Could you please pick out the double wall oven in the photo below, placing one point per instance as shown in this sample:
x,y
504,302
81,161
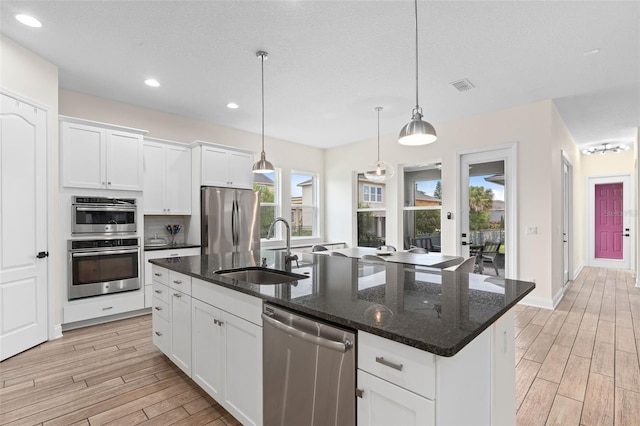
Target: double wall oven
x,y
104,253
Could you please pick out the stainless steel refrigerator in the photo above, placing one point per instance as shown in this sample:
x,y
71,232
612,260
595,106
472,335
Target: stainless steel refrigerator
x,y
230,220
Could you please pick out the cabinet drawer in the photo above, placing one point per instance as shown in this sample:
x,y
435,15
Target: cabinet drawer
x,y
161,292
239,304
160,334
180,282
159,274
102,306
400,364
160,308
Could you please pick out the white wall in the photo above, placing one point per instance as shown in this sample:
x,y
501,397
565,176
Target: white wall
x,y
30,76
529,126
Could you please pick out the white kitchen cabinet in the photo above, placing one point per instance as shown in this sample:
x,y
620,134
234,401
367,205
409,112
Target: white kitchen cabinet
x,y
148,268
228,168
384,403
167,178
227,351
180,329
101,156
105,305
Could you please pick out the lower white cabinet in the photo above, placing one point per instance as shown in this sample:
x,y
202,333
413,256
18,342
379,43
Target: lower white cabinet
x,y
161,254
180,325
383,403
96,307
215,336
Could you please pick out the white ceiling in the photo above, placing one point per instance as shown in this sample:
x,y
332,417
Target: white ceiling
x,y
331,62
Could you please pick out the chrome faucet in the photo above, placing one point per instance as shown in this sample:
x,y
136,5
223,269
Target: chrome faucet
x,y
288,257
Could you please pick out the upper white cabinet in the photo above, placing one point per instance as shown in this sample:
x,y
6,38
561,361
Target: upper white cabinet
x,y
167,178
101,156
224,167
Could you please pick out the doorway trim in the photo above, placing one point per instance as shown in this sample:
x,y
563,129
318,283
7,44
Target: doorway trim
x,y
509,153
629,190
567,220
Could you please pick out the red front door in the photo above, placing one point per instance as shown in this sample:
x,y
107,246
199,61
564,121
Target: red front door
x,y
608,215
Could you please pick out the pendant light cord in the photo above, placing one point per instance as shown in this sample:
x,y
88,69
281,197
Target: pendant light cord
x,y
416,10
262,68
378,109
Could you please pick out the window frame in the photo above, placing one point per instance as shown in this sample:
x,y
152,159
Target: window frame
x,y
277,199
380,206
315,207
405,208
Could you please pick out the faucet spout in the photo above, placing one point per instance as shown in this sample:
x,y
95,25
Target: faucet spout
x,y
288,257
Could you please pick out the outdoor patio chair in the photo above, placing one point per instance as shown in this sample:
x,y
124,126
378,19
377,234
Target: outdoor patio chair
x,y
489,253
476,251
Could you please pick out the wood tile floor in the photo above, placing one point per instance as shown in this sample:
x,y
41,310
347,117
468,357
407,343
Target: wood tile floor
x,y
109,374
578,364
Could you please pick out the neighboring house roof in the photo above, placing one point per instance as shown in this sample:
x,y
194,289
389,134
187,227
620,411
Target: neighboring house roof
x,y
296,200
261,178
423,196
306,183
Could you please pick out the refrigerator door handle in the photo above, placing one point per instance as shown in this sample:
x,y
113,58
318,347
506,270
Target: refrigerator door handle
x,y
233,222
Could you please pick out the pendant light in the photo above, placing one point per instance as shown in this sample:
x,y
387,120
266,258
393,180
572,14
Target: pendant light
x,y
417,131
263,165
379,171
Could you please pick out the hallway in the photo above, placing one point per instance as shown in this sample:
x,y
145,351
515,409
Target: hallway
x,y
578,364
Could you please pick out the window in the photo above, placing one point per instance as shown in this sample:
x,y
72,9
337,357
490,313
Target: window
x,y
422,207
371,212
266,184
304,204
371,193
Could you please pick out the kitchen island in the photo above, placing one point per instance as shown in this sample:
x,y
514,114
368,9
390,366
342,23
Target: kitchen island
x,y
452,332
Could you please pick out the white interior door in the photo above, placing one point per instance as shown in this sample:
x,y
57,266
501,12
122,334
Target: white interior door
x,y
487,206
23,226
567,204
609,247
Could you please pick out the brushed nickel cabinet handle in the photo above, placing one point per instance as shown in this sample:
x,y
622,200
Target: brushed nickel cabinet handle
x,y
389,364
157,274
157,308
177,294
360,393
158,291
107,308
177,282
158,333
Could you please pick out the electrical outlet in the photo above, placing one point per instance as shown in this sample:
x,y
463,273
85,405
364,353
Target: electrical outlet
x,y
532,230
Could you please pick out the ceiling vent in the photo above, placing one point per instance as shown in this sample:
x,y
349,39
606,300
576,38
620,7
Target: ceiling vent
x,y
462,85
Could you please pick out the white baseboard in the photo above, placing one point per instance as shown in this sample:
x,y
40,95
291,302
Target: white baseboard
x,y
543,302
57,332
577,271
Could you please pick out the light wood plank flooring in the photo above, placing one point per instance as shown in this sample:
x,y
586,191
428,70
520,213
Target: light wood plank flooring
x,y
108,374
578,364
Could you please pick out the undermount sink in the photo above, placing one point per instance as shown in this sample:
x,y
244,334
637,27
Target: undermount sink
x,y
261,276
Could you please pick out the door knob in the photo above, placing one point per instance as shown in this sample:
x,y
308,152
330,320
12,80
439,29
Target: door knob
x,y
42,254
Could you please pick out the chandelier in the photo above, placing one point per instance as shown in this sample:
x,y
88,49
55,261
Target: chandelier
x,y
606,147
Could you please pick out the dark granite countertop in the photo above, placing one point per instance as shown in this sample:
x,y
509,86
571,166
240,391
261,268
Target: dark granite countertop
x,y
433,310
171,247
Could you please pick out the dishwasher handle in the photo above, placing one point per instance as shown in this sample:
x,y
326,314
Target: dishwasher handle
x,y
320,341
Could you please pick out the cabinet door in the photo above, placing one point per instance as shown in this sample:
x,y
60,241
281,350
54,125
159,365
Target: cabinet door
x,y
240,170
243,369
161,334
383,403
207,365
215,167
180,325
83,156
178,180
124,161
154,176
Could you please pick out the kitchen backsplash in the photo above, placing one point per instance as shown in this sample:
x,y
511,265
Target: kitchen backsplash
x,y
158,225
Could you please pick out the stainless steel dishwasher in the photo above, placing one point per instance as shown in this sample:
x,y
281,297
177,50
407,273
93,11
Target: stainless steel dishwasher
x,y
309,371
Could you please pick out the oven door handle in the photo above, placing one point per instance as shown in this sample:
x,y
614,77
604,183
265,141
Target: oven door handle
x,y
105,209
103,252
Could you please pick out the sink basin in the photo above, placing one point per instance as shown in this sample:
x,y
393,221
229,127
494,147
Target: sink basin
x,y
261,276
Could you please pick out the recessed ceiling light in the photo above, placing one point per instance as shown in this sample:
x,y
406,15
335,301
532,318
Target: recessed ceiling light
x,y
28,20
591,52
233,105
151,82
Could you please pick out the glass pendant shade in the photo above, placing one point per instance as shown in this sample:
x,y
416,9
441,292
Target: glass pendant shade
x,y
417,132
379,172
263,166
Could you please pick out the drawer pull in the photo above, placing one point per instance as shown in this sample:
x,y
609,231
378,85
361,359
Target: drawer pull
x,y
383,361
157,274
360,393
158,333
177,294
157,308
177,282
158,291
218,322
107,308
